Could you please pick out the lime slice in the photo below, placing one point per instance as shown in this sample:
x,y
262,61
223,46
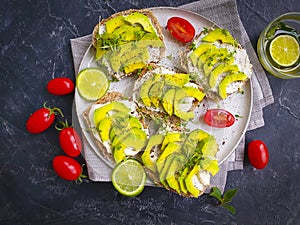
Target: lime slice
x,y
129,177
92,84
284,50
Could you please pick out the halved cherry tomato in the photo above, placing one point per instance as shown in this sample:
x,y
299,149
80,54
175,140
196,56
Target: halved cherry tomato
x,y
41,119
181,29
69,140
219,118
67,168
60,86
258,154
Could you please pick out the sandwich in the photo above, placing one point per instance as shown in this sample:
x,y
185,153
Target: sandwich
x,y
217,63
127,42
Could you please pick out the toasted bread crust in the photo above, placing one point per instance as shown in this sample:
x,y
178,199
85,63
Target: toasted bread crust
x,y
109,97
146,12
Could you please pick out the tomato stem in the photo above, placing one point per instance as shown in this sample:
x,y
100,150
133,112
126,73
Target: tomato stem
x,y
82,176
64,124
53,110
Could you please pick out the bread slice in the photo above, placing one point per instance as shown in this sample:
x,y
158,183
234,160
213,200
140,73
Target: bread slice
x,y
128,42
217,63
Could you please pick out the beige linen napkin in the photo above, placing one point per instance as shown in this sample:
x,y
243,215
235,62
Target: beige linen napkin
x,y
225,14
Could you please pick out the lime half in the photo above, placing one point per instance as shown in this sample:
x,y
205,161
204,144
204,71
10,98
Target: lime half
x,y
92,84
129,177
284,50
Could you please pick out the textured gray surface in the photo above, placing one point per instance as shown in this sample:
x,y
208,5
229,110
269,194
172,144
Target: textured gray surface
x,y
34,47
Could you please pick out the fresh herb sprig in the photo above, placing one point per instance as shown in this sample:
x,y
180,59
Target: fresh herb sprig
x,y
224,199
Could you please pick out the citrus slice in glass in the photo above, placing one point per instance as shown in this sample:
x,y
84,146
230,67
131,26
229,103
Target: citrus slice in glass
x,y
284,50
92,84
129,177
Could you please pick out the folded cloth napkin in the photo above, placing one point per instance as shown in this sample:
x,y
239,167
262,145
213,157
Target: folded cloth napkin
x,y
224,13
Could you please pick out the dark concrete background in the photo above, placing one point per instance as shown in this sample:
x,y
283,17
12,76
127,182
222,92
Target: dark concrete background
x,y
35,47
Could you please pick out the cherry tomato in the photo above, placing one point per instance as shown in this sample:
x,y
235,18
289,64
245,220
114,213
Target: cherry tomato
x,y
67,168
219,118
60,86
69,140
41,119
181,29
258,154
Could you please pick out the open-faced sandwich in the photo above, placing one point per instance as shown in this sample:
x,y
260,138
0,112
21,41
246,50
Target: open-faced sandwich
x,y
128,41
168,92
217,63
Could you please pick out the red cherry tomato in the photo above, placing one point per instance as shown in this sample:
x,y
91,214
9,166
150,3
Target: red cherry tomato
x,y
181,29
41,119
69,140
219,118
258,154
67,168
60,86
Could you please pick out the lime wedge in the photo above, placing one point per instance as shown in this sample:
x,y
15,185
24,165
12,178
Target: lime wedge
x,y
129,177
92,84
284,50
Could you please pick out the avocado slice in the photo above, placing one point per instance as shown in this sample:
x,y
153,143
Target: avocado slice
x,y
194,92
199,51
134,52
228,80
164,169
149,157
168,101
144,92
205,56
122,125
189,181
221,35
171,148
104,128
119,153
221,68
192,141
100,113
150,39
208,146
129,33
114,23
156,92
181,178
172,173
134,64
134,139
180,95
138,18
220,55
211,165
177,79
172,137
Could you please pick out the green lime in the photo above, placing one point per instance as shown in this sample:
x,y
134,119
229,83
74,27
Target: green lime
x,y
129,177
92,84
284,50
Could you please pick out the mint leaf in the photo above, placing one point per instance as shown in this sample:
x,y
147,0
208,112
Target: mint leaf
x,y
228,195
224,199
216,193
230,208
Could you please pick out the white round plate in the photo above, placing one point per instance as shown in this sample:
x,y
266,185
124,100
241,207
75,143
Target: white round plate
x,y
237,104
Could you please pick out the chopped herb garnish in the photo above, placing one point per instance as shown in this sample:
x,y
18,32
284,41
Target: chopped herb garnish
x,y
205,30
238,116
170,57
193,46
